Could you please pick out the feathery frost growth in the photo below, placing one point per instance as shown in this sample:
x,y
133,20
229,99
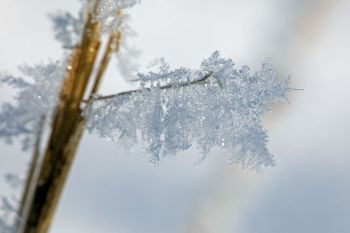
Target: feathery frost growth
x,y
108,13
112,20
224,109
67,28
37,97
216,105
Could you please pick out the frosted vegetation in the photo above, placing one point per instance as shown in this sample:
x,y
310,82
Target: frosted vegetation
x,y
222,108
215,105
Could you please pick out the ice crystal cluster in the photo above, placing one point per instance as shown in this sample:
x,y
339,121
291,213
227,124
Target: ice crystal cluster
x,y
109,14
171,112
114,17
67,28
224,111
214,106
37,94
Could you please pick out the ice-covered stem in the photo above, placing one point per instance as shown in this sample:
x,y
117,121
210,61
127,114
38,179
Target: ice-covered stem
x,y
224,112
202,80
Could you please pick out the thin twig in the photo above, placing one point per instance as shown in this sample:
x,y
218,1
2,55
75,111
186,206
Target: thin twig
x,y
169,86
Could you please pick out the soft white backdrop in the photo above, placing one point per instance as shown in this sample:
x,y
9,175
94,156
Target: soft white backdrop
x,y
308,191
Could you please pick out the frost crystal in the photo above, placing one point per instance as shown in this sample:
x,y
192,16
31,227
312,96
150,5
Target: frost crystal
x,y
37,96
110,16
173,110
112,19
226,111
67,28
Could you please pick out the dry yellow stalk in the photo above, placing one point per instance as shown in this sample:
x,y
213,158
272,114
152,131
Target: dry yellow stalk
x,y
67,128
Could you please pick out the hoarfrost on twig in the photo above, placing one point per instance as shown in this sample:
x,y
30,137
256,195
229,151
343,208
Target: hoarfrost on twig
x,y
224,112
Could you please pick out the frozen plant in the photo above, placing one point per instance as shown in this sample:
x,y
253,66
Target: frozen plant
x,y
223,107
214,106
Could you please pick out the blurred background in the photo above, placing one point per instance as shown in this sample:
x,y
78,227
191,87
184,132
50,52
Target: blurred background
x,y
308,190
